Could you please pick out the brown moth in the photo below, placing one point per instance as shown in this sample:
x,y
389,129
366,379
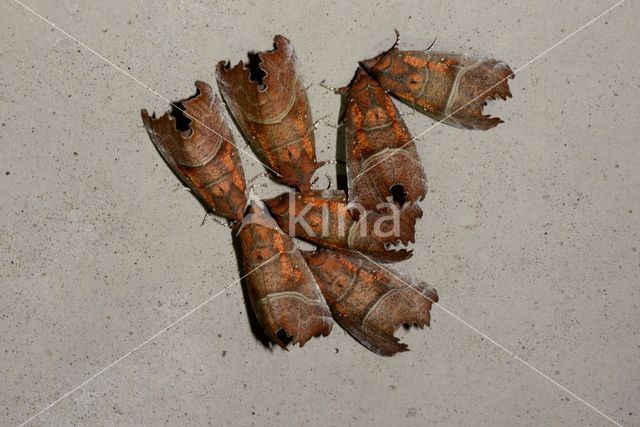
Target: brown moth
x,y
196,142
270,106
449,87
322,218
370,302
283,292
383,165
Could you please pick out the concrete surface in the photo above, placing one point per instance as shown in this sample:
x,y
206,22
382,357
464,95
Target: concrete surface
x,y
530,234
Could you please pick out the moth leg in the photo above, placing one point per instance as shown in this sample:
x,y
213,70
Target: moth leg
x,y
322,84
254,186
227,224
260,175
336,126
329,181
407,113
320,120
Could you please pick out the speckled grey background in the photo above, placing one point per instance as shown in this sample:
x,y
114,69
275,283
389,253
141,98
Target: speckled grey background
x,y
530,234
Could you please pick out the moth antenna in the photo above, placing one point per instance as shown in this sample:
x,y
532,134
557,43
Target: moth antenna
x,y
397,43
329,181
435,39
326,175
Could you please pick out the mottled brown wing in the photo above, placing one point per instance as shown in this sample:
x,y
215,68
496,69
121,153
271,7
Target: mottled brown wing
x,y
383,165
322,218
386,236
198,146
449,87
319,217
283,292
370,302
269,103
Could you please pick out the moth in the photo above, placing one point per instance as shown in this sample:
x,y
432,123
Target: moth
x,y
448,87
269,103
283,292
196,142
370,302
322,218
383,165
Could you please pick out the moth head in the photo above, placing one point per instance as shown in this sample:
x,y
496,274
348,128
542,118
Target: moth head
x,y
381,62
